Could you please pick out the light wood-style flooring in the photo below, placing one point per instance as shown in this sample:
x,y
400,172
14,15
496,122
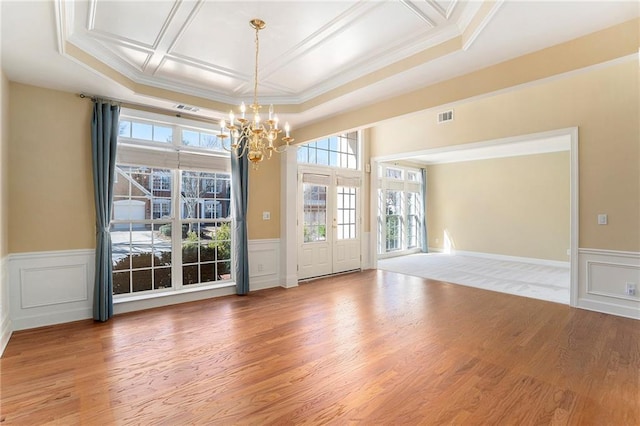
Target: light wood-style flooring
x,y
368,348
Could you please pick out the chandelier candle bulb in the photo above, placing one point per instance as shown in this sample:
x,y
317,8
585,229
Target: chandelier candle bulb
x,y
275,122
243,109
271,112
286,129
231,118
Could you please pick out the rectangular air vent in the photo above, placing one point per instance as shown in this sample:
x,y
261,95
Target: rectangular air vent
x,y
445,116
186,108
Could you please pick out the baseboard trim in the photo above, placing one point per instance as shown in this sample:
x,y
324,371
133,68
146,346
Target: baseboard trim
x,y
52,318
609,308
531,260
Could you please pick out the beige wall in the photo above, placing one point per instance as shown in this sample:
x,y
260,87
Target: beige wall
x,y
516,206
602,102
51,204
264,195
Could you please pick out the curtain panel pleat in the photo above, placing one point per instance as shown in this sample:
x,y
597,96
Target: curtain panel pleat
x,y
239,194
104,138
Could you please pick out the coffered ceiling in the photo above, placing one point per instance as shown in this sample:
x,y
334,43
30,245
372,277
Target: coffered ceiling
x,y
317,58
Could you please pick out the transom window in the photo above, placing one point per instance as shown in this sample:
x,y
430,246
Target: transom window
x,y
335,151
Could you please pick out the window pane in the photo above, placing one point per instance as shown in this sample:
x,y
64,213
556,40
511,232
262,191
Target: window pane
x,y
142,131
315,212
162,134
124,129
210,141
303,152
323,144
190,138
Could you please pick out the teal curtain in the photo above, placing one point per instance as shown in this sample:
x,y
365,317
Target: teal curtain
x,y
239,194
423,227
104,137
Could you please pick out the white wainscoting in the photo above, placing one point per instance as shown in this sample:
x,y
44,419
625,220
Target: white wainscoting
x,y
603,275
6,326
264,264
52,287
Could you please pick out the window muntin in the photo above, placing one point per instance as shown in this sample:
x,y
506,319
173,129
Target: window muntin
x,y
346,210
141,248
206,252
336,151
206,246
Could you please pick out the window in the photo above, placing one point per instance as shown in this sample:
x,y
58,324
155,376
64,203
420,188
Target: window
x,y
161,181
346,209
145,131
395,173
400,209
335,151
315,212
141,249
171,223
394,219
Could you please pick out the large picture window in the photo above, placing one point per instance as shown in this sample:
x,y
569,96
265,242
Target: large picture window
x,y
171,218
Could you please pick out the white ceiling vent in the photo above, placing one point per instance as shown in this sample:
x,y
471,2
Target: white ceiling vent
x,y
445,116
182,107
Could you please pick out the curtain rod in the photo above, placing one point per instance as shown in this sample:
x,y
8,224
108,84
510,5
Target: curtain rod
x,y
148,108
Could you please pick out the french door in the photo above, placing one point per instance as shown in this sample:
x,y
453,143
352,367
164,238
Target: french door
x,y
329,224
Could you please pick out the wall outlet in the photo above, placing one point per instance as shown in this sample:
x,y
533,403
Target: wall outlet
x,y
266,215
630,289
602,219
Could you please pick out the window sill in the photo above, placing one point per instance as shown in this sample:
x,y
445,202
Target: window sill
x,y
169,293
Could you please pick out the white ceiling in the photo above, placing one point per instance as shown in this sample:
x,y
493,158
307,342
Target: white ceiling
x,y
313,54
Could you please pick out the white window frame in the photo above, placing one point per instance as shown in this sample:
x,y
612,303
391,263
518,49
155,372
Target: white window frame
x,y
405,185
176,157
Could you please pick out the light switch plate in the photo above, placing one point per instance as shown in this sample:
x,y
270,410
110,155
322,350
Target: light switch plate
x,y
602,219
266,215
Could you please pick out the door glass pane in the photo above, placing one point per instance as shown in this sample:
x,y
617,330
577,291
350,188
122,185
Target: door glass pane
x,y
346,212
315,212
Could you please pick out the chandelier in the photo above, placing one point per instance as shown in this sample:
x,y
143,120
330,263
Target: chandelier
x,y
261,136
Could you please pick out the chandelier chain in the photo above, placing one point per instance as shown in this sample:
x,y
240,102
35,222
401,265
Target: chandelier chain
x,y
255,79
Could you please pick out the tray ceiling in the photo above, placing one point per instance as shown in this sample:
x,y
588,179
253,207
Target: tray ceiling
x,y
317,58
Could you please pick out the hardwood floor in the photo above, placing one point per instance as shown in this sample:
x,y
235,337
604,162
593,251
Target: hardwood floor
x,y
373,348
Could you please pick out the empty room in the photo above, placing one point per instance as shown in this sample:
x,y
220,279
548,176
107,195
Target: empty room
x,y
331,212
